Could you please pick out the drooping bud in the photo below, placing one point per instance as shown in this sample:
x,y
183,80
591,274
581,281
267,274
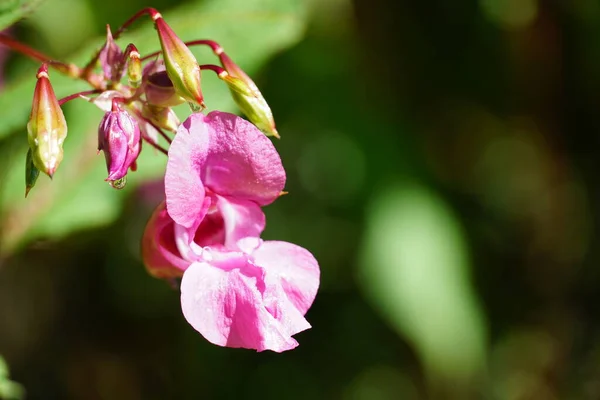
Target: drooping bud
x,y
31,173
119,138
47,128
160,91
134,66
111,58
246,95
180,63
162,117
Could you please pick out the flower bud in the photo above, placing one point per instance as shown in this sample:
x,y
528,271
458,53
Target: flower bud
x,y
162,117
246,95
119,138
180,63
134,67
31,173
111,58
160,91
47,128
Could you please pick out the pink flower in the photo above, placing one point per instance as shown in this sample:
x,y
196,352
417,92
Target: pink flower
x,y
237,290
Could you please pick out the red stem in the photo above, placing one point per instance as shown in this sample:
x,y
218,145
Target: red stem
x,y
154,14
157,146
67,69
160,131
215,68
216,47
76,95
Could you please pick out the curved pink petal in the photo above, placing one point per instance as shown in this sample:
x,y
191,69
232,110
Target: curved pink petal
x,y
159,250
227,305
183,187
242,162
225,154
291,267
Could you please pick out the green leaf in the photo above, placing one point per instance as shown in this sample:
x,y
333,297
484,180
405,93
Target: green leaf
x,y
9,390
250,31
415,269
13,10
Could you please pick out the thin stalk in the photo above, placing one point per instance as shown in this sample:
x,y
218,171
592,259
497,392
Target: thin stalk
x,y
156,146
221,72
161,132
215,47
77,95
71,70
152,12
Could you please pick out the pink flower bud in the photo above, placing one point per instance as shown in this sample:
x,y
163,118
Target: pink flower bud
x,y
111,58
119,138
47,128
180,63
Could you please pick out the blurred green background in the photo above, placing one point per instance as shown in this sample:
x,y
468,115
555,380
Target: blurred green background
x,y
442,163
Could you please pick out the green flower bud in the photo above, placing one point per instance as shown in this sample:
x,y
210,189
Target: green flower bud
x,y
180,63
134,67
47,128
248,98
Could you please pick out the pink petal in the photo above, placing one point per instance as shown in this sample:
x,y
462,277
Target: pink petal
x,y
183,187
228,155
242,162
242,218
225,304
159,251
291,267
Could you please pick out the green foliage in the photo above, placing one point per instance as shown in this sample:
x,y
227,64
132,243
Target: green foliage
x,y
415,269
9,390
13,10
250,31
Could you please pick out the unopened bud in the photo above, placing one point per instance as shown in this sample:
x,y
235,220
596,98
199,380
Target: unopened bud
x,y
111,58
248,98
47,128
160,91
31,173
162,117
180,63
119,138
134,67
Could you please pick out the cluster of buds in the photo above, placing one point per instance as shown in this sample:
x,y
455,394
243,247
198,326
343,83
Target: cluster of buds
x,y
137,110
237,290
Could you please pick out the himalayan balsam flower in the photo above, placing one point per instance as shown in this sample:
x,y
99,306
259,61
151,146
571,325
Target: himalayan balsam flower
x,y
236,290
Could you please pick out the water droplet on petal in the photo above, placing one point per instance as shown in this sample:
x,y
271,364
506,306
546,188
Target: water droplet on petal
x,y
119,183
